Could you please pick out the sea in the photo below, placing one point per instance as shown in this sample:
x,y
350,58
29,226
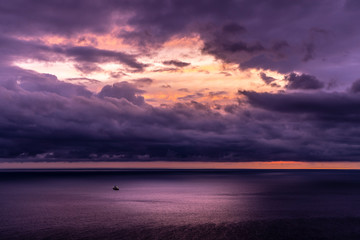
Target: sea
x,y
179,204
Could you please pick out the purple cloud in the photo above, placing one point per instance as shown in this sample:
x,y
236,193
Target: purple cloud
x,y
143,82
176,63
43,116
266,79
86,58
276,35
49,116
123,90
303,81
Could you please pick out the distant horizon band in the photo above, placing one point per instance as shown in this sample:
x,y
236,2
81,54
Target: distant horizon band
x,y
181,165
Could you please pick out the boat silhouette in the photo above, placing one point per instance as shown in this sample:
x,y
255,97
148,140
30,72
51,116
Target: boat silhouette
x,y
115,188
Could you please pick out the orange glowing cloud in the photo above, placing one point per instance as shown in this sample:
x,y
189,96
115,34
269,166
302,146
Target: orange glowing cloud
x,y
200,71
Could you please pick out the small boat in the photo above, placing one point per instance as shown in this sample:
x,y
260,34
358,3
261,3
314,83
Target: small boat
x,y
116,188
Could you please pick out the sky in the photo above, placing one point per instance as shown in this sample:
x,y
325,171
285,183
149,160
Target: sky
x,y
179,81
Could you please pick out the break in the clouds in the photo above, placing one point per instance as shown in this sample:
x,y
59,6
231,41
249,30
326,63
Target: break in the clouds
x,y
179,80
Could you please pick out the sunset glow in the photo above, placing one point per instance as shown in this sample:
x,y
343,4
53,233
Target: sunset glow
x,y
179,81
179,119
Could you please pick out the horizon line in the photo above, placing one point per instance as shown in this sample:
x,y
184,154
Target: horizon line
x,y
181,165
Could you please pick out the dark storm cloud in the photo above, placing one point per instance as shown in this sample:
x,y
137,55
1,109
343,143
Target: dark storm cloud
x,y
233,28
321,104
303,81
42,116
323,124
86,58
352,5
285,36
55,17
229,51
117,122
123,90
176,63
14,79
266,79
279,35
242,47
14,49
94,55
355,87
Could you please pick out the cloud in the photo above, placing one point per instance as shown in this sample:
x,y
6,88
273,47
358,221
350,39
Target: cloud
x,y
84,80
274,35
309,52
77,126
167,69
42,116
231,51
341,106
143,82
176,63
123,90
88,68
303,81
183,90
62,18
191,97
86,58
266,79
217,93
226,74
94,55
355,87
13,78
61,121
233,28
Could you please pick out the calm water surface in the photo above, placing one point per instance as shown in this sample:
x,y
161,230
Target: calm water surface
x,y
45,200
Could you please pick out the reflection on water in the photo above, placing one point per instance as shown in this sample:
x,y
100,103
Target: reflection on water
x,y
45,200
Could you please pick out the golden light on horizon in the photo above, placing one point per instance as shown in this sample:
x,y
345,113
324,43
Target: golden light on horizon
x,y
183,165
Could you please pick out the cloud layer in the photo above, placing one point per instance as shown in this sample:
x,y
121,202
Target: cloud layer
x,y
303,117
44,118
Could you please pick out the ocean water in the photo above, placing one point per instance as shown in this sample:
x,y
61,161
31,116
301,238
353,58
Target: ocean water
x,y
53,202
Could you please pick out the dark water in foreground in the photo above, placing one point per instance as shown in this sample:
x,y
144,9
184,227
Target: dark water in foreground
x,y
245,204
